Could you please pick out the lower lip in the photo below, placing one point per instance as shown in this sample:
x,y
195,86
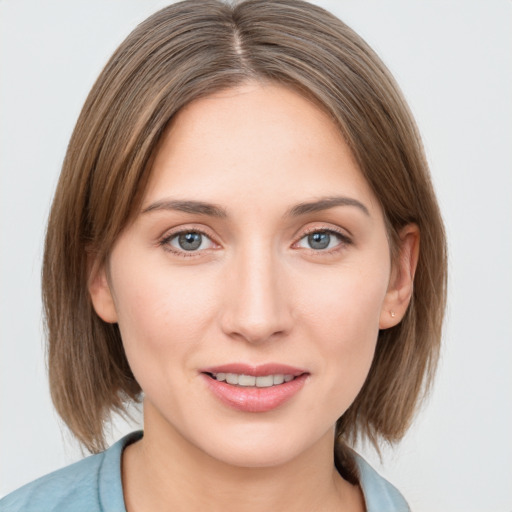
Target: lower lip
x,y
253,399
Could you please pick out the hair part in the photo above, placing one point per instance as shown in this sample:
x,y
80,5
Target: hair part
x,y
187,51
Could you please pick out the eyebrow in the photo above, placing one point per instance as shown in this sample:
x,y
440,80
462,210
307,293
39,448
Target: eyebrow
x,y
213,210
188,206
325,203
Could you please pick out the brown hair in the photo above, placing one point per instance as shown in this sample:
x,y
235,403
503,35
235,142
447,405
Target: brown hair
x,y
186,51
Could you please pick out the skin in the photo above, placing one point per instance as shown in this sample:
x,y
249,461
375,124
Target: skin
x,y
254,292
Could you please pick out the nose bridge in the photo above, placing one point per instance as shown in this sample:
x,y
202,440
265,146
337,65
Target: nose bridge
x,y
257,306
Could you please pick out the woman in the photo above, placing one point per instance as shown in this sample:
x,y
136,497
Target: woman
x,y
235,241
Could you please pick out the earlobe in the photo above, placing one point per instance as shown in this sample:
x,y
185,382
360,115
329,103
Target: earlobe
x,y
401,284
101,294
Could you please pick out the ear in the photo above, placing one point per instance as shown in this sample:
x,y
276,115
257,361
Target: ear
x,y
101,294
401,282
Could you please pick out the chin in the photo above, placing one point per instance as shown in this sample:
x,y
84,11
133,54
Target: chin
x,y
255,455
263,447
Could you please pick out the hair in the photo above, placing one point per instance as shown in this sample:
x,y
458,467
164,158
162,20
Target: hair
x,y
187,51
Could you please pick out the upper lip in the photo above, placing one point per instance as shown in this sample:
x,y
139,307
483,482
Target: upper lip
x,y
255,370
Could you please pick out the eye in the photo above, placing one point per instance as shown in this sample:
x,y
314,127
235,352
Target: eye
x,y
187,241
322,240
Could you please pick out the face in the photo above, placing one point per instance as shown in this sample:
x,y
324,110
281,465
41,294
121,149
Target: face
x,y
250,288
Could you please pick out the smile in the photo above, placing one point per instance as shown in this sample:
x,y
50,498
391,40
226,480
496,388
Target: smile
x,y
263,381
254,389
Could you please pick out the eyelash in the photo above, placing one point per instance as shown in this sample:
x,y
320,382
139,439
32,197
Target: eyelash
x,y
343,238
165,242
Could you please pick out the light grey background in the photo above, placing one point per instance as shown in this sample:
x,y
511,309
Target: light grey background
x,y
453,60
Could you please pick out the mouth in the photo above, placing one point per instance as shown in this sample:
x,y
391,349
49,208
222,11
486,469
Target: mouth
x,y
254,389
247,381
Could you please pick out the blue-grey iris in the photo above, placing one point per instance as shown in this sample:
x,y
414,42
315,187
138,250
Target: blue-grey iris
x,y
190,241
319,240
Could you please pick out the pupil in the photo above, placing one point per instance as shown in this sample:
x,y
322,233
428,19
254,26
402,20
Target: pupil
x,y
319,240
190,241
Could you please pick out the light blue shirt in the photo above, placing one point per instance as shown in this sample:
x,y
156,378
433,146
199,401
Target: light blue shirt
x,y
94,485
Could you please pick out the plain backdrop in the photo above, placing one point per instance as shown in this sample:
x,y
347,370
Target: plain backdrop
x,y
453,60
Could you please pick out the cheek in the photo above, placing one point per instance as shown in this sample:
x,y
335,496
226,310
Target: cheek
x,y
162,312
346,303
342,316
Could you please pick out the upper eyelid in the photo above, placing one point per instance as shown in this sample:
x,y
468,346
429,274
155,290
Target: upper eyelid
x,y
322,229
344,239
171,233
343,233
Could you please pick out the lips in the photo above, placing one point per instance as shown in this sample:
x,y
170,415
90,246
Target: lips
x,y
254,388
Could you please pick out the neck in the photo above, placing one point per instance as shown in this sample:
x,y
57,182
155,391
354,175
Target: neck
x,y
164,472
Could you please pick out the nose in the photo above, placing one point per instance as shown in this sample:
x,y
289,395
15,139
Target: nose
x,y
257,301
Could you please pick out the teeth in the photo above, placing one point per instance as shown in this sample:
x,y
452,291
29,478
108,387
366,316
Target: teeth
x,y
231,378
279,379
247,380
264,381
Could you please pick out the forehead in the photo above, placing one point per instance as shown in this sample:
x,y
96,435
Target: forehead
x,y
255,141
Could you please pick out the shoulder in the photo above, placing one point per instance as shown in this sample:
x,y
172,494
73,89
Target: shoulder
x,y
379,494
92,485
59,490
